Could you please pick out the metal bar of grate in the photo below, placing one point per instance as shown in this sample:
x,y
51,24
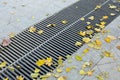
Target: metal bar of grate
x,y
26,48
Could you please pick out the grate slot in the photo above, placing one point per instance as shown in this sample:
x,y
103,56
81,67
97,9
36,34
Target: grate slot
x,y
6,57
59,49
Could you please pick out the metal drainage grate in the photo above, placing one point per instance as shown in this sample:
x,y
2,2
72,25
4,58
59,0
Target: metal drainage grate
x,y
26,48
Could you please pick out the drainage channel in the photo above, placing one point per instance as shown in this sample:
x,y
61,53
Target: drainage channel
x,y
26,48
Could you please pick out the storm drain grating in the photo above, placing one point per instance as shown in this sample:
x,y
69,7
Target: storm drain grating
x,y
26,48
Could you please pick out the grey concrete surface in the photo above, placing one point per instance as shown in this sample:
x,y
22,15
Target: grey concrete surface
x,y
17,15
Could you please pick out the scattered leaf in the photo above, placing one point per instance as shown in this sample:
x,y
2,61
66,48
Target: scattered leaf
x,y
34,75
20,78
88,23
87,64
78,43
11,68
62,78
11,35
64,21
68,69
51,25
32,29
107,39
37,70
18,67
97,29
90,72
118,47
112,37
86,50
119,69
98,7
89,27
112,14
40,32
107,54
105,17
82,72
6,79
91,17
99,77
3,64
78,57
112,6
82,19
82,33
48,61
60,61
59,70
85,39
89,32
40,62
6,42
103,23
56,75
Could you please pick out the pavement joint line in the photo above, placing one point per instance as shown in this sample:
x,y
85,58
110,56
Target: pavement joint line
x,y
97,65
52,37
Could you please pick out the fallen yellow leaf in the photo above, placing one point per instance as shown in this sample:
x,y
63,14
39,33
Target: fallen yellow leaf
x,y
82,72
6,79
51,25
32,29
48,61
37,70
40,62
91,17
107,54
86,50
82,33
90,73
40,32
112,6
82,19
98,7
78,43
3,64
64,21
59,70
89,27
118,47
20,78
11,35
62,78
107,39
79,58
105,17
85,39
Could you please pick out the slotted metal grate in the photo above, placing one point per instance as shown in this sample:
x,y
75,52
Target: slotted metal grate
x,y
26,48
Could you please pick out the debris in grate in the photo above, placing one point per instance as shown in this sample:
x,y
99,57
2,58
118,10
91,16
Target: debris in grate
x,y
28,48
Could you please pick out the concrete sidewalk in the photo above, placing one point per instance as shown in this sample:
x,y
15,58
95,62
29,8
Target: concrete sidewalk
x,y
17,15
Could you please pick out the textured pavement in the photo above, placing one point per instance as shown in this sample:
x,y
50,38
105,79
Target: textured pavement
x,y
106,64
17,15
